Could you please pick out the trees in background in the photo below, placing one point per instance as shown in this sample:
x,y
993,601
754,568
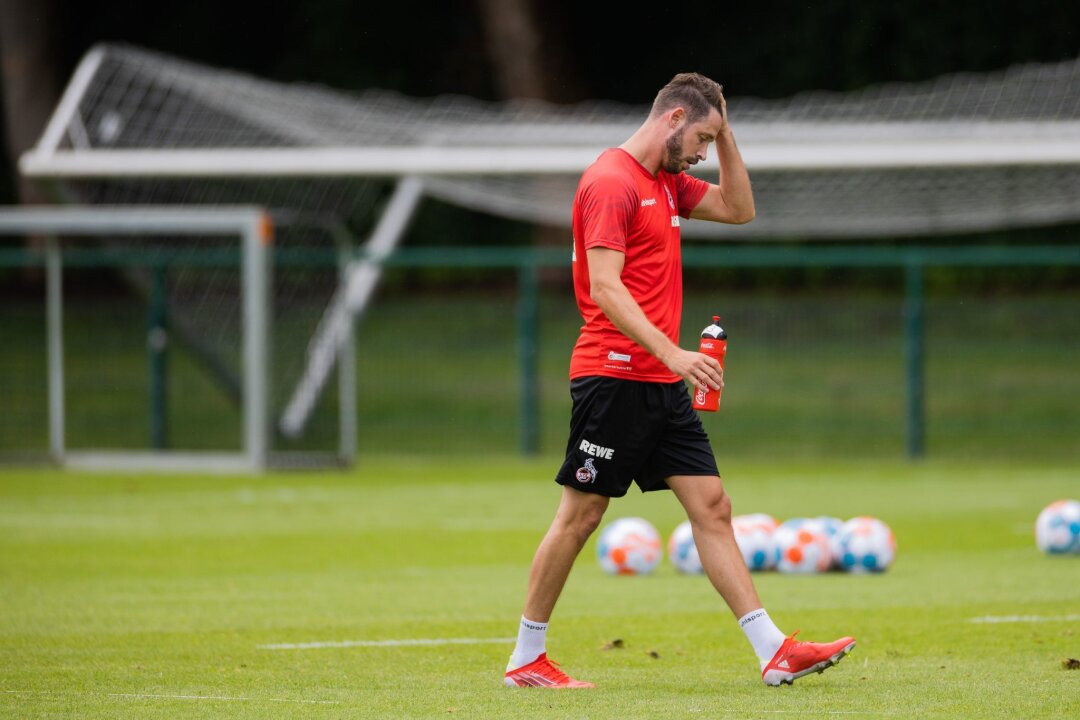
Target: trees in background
x,y
556,50
29,81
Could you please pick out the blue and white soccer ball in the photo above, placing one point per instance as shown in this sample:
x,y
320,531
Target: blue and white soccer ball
x,y
1057,529
802,546
754,535
865,544
831,526
682,551
629,546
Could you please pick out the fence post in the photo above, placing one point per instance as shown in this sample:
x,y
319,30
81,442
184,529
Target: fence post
x,y
528,328
54,293
157,341
914,359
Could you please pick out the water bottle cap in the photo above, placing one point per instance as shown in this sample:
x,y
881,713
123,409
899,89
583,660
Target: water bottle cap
x,y
714,330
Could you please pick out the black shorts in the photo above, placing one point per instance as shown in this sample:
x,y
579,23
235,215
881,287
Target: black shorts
x,y
624,431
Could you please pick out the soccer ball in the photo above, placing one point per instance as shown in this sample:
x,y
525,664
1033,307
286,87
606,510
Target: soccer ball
x,y
629,546
754,535
832,527
1057,529
865,544
682,552
801,546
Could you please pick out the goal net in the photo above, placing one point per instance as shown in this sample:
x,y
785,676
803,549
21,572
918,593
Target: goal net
x,y
959,154
901,159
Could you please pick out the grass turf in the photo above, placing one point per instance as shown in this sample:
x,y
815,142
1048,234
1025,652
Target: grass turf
x,y
156,597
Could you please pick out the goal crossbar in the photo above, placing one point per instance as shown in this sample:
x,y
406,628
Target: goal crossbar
x,y
763,148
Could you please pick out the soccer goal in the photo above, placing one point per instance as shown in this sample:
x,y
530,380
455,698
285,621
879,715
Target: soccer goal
x,y
158,338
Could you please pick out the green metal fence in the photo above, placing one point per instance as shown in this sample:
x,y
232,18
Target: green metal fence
x,y
913,262
466,350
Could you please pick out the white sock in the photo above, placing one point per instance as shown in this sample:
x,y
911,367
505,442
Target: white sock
x,y
531,643
762,634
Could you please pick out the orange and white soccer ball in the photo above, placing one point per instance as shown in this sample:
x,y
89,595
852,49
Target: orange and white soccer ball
x,y
832,526
754,536
802,546
865,544
682,550
629,546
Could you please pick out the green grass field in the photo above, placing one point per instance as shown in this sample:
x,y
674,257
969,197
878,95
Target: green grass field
x,y
164,597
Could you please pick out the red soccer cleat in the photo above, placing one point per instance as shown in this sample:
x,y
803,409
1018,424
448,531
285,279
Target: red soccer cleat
x,y
795,659
542,672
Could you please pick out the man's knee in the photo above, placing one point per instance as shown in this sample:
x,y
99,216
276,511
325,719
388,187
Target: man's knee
x,y
705,500
718,505
582,514
589,518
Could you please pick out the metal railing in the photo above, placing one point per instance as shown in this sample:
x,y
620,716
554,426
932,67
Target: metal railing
x,y
526,262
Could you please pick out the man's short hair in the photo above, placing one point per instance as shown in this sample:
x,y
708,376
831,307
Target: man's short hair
x,y
693,92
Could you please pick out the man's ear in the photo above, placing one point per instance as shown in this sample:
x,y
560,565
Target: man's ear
x,y
676,117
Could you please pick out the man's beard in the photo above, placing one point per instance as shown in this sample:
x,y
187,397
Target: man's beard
x,y
673,159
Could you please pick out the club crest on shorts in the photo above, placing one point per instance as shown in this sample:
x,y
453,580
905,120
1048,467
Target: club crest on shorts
x,y
588,473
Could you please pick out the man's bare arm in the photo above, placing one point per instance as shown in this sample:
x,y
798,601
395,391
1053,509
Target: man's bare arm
x,y
610,294
732,200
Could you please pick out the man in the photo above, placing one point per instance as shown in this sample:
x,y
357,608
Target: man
x,y
632,420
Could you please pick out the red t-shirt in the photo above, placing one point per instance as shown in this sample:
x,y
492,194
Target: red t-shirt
x,y
621,205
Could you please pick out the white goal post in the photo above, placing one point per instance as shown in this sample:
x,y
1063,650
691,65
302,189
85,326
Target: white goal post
x,y
252,230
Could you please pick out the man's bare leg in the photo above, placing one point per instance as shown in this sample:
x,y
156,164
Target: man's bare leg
x,y
709,509
578,516
782,659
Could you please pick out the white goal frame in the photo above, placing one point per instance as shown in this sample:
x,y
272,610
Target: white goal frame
x,y
254,232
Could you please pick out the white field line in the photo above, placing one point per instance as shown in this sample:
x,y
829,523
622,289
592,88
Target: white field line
x,y
991,619
409,642
219,697
158,696
834,712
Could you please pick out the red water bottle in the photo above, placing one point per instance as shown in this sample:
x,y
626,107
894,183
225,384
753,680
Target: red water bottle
x,y
713,344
